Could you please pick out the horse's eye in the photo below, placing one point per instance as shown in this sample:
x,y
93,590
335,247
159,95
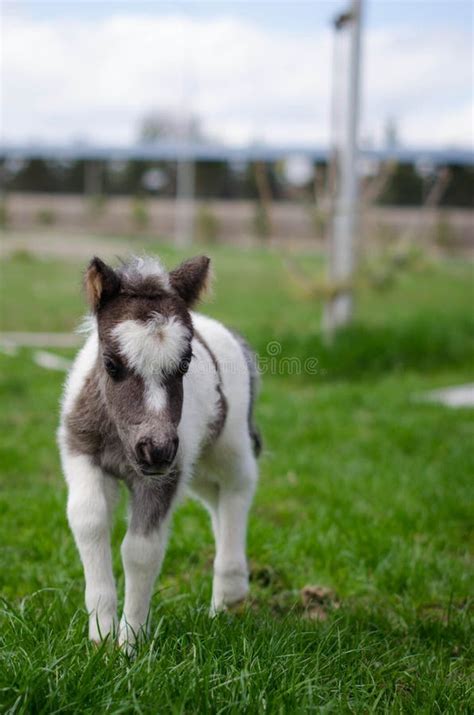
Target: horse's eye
x,y
114,368
184,363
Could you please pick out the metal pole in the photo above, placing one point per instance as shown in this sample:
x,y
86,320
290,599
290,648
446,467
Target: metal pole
x,y
339,308
185,169
92,178
184,229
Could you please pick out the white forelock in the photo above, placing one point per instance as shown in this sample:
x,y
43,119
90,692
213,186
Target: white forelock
x,y
152,347
145,267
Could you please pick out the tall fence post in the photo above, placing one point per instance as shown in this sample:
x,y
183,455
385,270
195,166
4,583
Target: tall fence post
x,y
92,177
184,217
339,306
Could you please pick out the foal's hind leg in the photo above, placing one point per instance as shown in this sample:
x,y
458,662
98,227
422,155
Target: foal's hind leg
x,y
207,492
237,487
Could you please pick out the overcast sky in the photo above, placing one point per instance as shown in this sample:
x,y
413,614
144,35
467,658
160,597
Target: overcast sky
x,y
87,70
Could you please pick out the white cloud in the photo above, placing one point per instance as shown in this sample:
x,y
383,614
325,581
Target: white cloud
x,y
63,79
424,80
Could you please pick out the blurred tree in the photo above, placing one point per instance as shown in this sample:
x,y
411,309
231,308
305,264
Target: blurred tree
x,y
460,190
214,180
222,180
391,133
35,175
132,180
74,178
248,188
404,187
158,125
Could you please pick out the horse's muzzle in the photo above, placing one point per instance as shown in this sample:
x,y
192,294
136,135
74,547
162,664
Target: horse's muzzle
x,y
154,459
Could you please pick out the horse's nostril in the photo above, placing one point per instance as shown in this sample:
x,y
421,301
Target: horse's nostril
x,y
144,451
149,455
164,455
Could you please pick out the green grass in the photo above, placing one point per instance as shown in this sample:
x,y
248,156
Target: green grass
x,y
363,489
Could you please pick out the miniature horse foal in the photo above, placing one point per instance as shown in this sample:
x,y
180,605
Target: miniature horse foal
x,y
160,398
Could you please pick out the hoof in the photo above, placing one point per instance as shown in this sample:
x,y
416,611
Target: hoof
x,y
229,591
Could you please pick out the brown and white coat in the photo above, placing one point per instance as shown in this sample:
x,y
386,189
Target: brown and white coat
x,y
160,398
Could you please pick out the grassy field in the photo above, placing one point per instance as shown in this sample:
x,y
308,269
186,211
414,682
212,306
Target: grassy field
x,y
364,489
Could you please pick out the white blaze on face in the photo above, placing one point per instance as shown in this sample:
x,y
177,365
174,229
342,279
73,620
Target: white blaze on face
x,y
151,349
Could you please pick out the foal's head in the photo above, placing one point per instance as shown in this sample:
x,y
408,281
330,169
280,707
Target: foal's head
x,y
145,333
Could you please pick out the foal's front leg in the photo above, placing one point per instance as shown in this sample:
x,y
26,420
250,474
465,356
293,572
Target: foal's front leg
x,y
90,505
143,550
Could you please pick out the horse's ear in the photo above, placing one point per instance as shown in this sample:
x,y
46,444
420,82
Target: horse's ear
x,y
191,279
101,283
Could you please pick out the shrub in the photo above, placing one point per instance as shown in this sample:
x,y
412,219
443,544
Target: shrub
x,y
97,205
362,350
140,215
444,235
320,221
261,222
207,225
4,217
46,217
22,255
